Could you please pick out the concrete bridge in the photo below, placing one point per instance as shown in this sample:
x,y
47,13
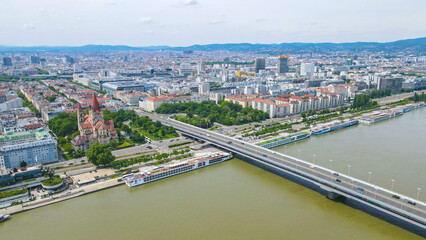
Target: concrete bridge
x,y
391,206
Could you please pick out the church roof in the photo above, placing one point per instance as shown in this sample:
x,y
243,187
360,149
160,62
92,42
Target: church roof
x,y
109,123
79,140
95,103
86,125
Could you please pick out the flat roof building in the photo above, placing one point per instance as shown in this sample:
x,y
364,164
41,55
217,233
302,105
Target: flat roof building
x,y
33,147
111,87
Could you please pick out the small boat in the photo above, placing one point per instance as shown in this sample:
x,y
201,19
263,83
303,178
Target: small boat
x,y
3,217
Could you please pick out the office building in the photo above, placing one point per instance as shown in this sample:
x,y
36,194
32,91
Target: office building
x,y
7,61
307,69
69,60
33,147
204,88
140,86
34,60
185,69
283,64
394,84
259,64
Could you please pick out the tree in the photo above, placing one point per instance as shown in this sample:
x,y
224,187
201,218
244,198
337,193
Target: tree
x,y
68,147
23,164
303,115
50,98
138,138
99,154
125,128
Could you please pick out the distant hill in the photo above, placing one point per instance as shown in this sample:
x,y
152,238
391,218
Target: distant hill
x,y
416,45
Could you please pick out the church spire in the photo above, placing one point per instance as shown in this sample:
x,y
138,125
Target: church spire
x,y
95,103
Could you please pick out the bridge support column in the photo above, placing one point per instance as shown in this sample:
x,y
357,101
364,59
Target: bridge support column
x,y
333,195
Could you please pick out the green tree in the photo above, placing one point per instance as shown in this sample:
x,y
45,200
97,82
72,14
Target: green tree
x,y
68,147
50,98
138,138
126,128
23,164
99,154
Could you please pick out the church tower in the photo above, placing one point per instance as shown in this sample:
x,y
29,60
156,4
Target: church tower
x,y
80,117
95,111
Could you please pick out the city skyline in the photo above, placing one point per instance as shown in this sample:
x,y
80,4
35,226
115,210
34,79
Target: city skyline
x,y
183,23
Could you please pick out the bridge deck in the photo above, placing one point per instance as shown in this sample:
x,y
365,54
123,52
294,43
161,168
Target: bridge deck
x,y
351,187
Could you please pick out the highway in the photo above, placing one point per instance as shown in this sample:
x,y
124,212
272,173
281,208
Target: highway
x,y
391,202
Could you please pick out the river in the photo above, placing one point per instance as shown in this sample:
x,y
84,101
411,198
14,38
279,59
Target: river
x,y
391,149
236,200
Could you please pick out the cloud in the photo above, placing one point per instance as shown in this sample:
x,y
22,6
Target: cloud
x,y
29,26
215,21
187,3
145,20
260,20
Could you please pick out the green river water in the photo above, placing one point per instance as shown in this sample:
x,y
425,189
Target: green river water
x,y
236,200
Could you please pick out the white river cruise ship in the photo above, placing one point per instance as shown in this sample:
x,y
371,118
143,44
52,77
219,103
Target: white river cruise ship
x,y
165,171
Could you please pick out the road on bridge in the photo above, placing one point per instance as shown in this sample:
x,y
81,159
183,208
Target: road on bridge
x,y
354,187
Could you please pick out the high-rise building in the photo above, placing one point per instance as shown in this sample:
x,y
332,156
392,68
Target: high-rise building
x,y
283,64
259,64
34,60
7,61
200,67
204,88
307,69
260,89
70,60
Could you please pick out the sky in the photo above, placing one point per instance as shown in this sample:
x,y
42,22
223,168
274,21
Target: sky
x,y
189,22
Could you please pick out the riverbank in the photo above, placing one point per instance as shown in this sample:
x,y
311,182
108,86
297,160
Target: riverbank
x,y
231,200
61,197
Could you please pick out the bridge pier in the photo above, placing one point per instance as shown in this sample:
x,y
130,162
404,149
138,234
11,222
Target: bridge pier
x,y
333,195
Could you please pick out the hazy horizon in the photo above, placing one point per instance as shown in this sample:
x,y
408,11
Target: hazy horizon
x,y
190,22
134,46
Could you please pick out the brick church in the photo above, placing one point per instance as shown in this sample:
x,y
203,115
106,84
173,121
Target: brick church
x,y
93,128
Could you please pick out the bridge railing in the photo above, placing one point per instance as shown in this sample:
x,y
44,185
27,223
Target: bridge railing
x,y
354,181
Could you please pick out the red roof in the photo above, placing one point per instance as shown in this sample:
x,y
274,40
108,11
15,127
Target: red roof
x,y
95,103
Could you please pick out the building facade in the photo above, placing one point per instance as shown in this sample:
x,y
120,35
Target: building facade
x,y
283,64
33,147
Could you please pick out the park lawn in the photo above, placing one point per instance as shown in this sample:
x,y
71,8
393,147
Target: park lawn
x,y
124,145
152,137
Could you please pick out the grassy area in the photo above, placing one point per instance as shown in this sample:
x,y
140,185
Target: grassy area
x,y
124,145
179,144
150,136
281,138
135,154
55,180
12,193
123,163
